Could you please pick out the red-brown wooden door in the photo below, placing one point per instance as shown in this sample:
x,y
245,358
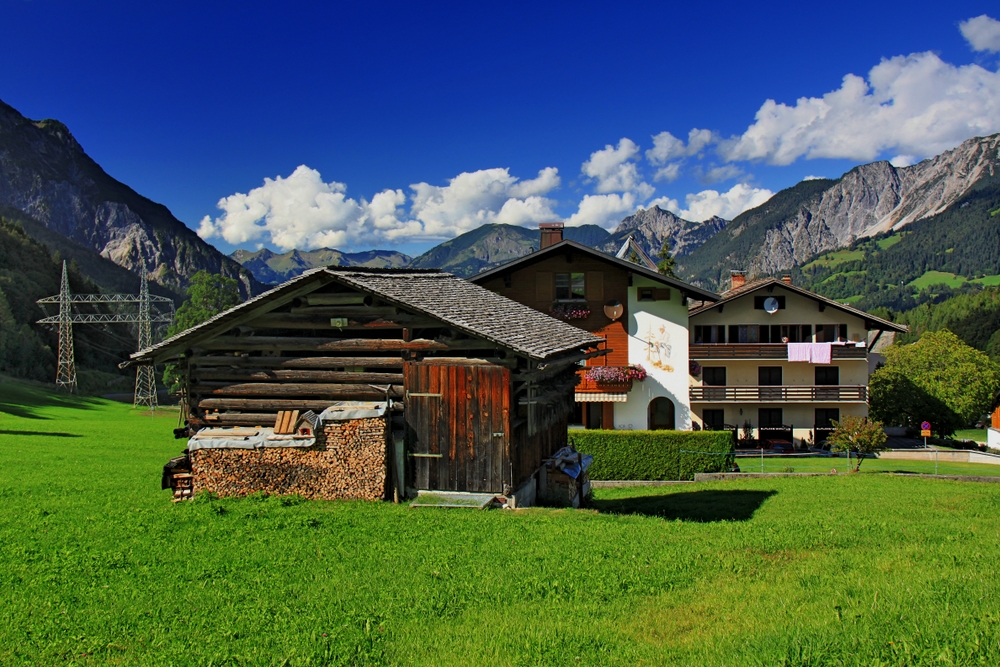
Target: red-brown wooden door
x,y
457,416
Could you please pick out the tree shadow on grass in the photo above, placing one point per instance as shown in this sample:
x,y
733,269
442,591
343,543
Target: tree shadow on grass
x,y
52,434
22,400
700,506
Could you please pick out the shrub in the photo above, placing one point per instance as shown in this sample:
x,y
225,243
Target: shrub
x,y
655,455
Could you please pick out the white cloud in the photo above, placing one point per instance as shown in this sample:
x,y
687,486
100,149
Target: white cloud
x,y
615,171
703,205
982,33
916,105
302,211
668,147
903,160
722,173
604,210
813,178
547,180
670,173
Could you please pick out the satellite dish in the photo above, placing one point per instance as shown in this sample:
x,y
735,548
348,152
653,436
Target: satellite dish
x,y
771,305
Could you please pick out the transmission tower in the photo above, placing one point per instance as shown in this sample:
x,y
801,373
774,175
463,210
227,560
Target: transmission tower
x,y
145,380
66,370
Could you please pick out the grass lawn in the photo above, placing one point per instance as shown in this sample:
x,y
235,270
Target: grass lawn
x,y
825,464
974,434
97,567
889,241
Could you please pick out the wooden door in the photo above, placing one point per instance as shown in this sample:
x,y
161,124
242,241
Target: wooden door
x,y
457,416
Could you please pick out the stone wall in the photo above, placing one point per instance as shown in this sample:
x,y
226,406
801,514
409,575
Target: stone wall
x,y
348,461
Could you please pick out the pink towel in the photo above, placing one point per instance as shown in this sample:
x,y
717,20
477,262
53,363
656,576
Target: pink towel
x,y
814,353
799,351
821,353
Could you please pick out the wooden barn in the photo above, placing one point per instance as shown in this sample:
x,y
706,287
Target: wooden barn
x,y
478,387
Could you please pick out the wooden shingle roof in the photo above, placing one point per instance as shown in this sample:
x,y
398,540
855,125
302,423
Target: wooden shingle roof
x,y
451,300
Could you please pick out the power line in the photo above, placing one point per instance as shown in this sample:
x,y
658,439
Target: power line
x,y
145,381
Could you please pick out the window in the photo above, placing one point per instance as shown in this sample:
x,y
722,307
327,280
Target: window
x,y
745,333
824,423
769,417
769,375
645,294
571,286
827,375
709,334
826,416
661,414
795,333
831,333
714,376
714,420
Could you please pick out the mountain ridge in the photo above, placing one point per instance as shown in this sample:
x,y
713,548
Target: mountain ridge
x,y
46,174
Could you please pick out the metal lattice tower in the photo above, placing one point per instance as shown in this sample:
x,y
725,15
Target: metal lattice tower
x,y
145,380
66,370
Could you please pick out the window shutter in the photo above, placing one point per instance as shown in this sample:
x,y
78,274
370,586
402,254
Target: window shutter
x,y
543,286
661,294
595,286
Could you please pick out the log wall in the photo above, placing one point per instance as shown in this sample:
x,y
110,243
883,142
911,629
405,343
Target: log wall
x,y
349,461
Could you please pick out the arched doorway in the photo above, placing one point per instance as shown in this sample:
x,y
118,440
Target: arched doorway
x,y
661,414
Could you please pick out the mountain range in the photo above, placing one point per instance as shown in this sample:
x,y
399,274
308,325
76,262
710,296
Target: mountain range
x,y
63,199
67,202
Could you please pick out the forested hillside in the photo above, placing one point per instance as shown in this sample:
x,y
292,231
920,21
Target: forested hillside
x,y
955,251
28,272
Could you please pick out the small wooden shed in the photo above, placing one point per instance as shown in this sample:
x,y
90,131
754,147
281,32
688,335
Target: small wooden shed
x,y
480,386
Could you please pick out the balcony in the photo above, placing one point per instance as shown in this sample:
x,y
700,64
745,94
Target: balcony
x,y
781,394
702,352
588,386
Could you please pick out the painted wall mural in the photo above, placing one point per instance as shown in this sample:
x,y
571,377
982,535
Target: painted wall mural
x,y
658,348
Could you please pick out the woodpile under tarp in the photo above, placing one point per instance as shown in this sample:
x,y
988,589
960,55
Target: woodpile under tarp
x,y
346,458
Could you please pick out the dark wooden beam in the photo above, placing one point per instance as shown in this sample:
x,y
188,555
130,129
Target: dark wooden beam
x,y
297,362
244,374
323,344
290,389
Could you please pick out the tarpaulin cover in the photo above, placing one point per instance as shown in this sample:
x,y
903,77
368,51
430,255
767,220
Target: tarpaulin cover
x,y
571,462
345,410
242,438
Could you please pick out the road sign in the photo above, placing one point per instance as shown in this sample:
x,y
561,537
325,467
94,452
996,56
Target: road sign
x,y
925,433
925,426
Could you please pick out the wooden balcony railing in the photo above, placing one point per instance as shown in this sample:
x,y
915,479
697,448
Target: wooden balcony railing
x,y
780,394
587,386
700,352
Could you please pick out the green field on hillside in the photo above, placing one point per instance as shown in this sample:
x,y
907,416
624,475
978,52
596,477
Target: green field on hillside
x,y
833,259
951,280
98,567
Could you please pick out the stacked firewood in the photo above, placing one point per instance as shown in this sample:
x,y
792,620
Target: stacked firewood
x,y
348,462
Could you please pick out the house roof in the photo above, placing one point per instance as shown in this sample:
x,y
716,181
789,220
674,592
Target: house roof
x,y
537,256
445,297
733,294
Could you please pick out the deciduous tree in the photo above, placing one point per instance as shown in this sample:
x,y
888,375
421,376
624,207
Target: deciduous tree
x,y
938,379
858,435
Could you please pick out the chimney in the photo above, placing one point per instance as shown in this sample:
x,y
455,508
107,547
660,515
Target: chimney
x,y
738,279
552,233
787,279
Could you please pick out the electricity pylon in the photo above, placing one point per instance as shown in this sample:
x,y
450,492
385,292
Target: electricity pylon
x,y
145,381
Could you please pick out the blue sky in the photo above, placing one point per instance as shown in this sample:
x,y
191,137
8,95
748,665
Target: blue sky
x,y
397,125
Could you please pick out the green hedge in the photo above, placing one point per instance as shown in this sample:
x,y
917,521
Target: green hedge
x,y
653,455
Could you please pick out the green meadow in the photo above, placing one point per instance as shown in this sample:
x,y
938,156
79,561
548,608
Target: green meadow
x,y
98,567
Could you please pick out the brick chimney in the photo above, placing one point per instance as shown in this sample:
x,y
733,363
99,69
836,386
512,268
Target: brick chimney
x,y
552,233
787,279
737,279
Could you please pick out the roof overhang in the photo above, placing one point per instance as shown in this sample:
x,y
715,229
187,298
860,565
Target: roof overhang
x,y
686,289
